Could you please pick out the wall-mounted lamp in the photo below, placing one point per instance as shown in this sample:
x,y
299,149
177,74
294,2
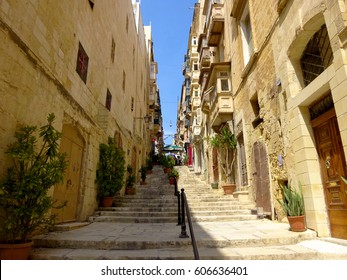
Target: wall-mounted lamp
x,y
146,118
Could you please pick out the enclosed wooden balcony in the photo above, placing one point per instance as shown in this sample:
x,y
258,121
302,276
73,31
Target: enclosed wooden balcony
x,y
215,23
220,99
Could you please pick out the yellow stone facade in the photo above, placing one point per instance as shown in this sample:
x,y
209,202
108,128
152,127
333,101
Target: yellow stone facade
x,y
38,59
263,43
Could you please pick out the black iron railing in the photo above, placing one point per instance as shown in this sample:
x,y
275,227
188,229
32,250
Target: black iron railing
x,y
182,209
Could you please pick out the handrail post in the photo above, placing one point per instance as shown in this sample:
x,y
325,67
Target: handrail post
x,y
177,193
183,223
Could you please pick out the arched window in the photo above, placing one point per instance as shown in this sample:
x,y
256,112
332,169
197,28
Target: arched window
x,y
317,55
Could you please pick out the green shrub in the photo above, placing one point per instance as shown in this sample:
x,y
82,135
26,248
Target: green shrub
x,y
293,201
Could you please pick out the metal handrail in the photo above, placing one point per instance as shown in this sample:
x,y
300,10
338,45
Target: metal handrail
x,y
182,210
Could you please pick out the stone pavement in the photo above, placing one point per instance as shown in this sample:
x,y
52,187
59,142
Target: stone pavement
x,y
241,238
260,239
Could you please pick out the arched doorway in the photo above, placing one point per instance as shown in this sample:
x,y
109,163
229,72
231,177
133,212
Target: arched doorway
x,y
72,145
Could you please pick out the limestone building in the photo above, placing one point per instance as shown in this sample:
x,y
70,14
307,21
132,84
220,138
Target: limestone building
x,y
275,74
91,63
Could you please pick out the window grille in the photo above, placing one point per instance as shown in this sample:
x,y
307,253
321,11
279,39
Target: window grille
x,y
317,56
82,63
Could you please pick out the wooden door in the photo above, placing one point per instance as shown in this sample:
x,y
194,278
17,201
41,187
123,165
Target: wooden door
x,y
261,178
68,191
332,163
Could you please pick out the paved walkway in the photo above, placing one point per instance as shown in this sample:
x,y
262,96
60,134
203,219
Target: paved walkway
x,y
228,240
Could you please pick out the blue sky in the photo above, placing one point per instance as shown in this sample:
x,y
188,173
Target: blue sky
x,y
170,22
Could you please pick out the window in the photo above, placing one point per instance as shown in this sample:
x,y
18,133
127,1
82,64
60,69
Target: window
x,y
317,56
108,100
194,41
195,66
124,79
246,32
132,104
91,3
113,49
256,110
224,83
82,63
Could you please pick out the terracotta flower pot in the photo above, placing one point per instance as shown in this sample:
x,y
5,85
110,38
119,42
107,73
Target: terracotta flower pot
x,y
297,223
106,201
229,188
19,251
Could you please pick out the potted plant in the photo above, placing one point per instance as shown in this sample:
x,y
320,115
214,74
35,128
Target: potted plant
x,y
24,195
172,175
110,172
149,165
164,163
225,143
143,171
171,162
293,206
130,181
185,160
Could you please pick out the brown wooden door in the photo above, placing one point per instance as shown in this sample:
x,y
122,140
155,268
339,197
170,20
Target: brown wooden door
x,y
261,178
72,145
332,163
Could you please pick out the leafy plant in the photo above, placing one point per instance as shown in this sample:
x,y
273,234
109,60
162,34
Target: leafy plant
x,y
131,178
143,171
149,163
111,169
173,173
170,162
225,142
163,160
185,159
293,201
23,193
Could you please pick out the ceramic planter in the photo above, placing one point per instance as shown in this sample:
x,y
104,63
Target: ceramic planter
x,y
297,223
107,201
19,251
229,188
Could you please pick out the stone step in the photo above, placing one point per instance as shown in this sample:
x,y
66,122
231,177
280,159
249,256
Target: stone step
x,y
133,220
105,236
133,213
285,252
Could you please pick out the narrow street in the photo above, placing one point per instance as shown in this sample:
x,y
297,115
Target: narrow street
x,y
144,227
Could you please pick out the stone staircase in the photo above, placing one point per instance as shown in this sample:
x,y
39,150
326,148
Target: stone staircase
x,y
156,203
211,205
143,227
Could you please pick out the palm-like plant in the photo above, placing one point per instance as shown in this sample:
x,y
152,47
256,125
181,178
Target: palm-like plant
x,y
225,142
293,201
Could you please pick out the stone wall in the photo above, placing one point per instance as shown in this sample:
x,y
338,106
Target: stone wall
x,y
38,53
